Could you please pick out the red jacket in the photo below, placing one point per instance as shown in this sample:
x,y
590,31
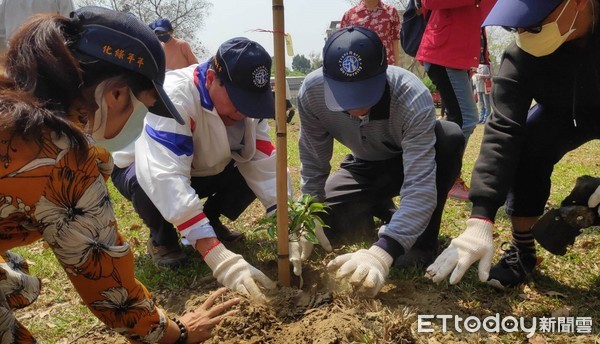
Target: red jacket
x,y
452,35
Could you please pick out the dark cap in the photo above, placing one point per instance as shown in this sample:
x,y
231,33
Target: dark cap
x,y
122,39
244,66
161,24
520,13
354,69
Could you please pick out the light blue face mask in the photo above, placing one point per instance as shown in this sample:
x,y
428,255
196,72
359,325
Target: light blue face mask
x,y
130,131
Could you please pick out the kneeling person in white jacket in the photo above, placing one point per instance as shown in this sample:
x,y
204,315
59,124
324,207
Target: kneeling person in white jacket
x,y
222,152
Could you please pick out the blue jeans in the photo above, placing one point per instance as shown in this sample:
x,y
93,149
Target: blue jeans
x,y
484,106
454,86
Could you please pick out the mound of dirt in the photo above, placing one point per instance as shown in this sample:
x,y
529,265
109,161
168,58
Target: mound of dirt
x,y
295,316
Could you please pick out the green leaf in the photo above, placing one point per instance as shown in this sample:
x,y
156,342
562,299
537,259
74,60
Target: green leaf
x,y
310,236
302,219
316,207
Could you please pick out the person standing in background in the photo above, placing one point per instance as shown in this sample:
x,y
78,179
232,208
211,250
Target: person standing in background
x,y
484,72
483,77
178,52
381,18
13,13
451,46
482,99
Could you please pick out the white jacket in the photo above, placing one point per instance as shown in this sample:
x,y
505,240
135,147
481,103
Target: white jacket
x,y
168,154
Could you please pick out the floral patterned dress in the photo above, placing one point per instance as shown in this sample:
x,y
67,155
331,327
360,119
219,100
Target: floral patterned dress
x,y
46,194
383,19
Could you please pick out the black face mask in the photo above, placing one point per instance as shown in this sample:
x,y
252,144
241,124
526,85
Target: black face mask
x,y
164,37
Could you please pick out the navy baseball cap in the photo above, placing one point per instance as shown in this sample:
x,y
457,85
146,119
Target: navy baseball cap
x,y
354,69
244,67
161,24
122,39
520,13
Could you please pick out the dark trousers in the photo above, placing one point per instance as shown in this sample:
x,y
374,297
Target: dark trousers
x,y
228,194
549,136
362,189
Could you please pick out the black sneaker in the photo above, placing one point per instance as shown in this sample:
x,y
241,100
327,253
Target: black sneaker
x,y
514,268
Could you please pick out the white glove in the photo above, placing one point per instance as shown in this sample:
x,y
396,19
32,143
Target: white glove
x,y
368,269
232,271
594,200
301,250
475,243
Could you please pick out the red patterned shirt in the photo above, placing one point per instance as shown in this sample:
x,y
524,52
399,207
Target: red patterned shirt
x,y
383,19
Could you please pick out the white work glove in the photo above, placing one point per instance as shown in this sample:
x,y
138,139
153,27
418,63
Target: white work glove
x,y
367,269
475,243
232,271
300,250
594,200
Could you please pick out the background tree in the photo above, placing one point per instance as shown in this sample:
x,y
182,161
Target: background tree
x,y
186,16
498,40
288,71
301,64
316,61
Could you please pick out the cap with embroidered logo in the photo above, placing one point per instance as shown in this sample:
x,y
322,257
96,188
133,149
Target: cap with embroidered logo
x,y
354,69
244,67
122,39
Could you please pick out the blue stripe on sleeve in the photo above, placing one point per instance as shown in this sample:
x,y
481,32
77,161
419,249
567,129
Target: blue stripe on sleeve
x,y
271,208
176,143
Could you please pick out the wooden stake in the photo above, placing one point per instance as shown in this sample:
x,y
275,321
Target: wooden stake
x,y
283,261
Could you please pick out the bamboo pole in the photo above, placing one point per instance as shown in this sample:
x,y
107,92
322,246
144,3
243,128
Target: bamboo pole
x,y
283,258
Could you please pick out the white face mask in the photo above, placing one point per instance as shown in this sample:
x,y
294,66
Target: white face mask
x,y
130,131
546,41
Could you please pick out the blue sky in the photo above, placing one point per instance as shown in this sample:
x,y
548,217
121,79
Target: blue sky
x,y
305,20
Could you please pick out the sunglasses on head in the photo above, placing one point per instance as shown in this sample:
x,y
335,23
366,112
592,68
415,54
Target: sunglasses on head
x,y
532,29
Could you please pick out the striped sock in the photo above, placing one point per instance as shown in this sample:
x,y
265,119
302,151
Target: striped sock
x,y
524,242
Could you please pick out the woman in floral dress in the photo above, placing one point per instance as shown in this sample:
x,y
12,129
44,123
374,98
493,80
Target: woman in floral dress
x,y
62,75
